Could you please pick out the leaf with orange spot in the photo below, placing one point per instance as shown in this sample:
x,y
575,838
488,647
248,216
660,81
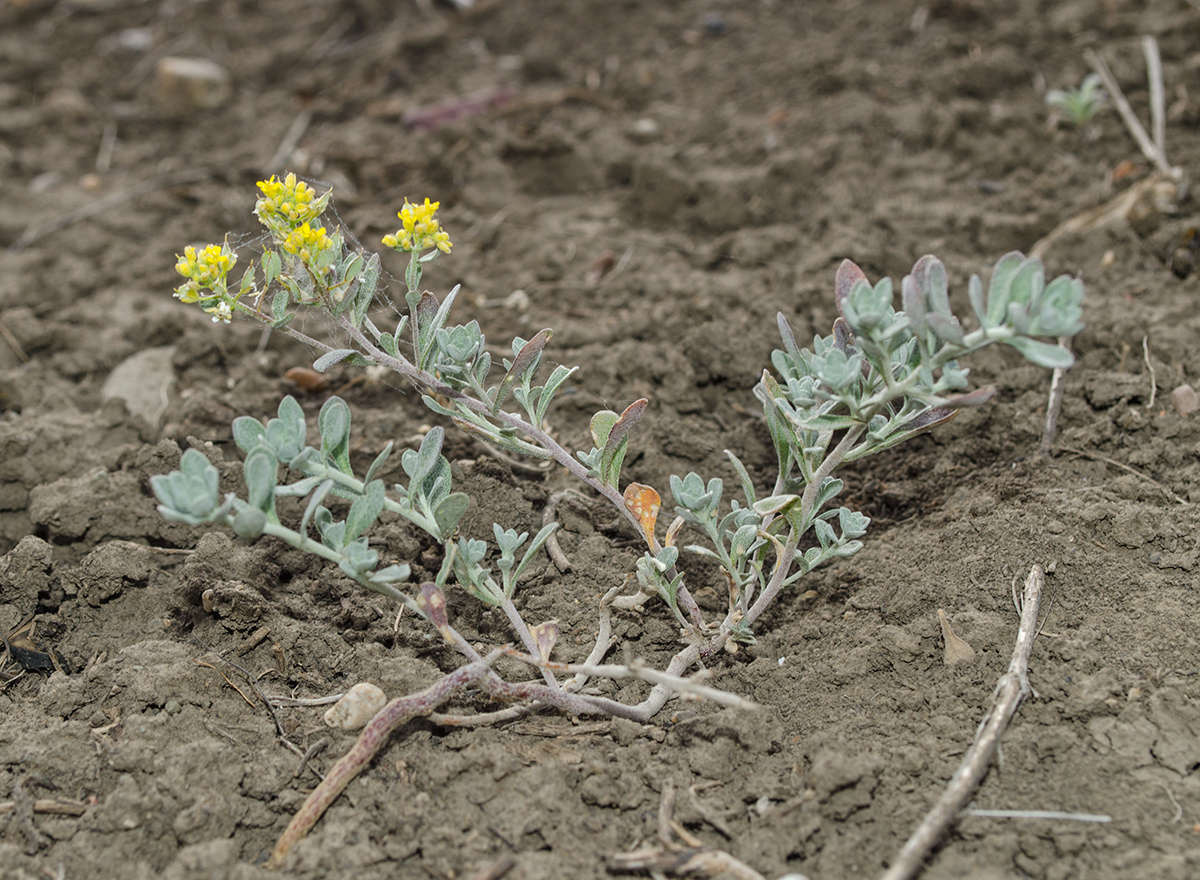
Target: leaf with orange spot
x,y
644,502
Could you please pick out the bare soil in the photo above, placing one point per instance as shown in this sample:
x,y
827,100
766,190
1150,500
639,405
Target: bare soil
x,y
722,158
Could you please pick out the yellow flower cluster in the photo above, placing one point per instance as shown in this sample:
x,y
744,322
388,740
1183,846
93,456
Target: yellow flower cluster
x,y
206,271
420,230
288,202
304,241
208,266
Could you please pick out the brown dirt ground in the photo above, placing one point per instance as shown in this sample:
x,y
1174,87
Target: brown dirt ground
x,y
728,155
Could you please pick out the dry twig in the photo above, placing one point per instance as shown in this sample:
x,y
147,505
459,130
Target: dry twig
x,y
1151,149
680,852
1054,404
1150,367
1011,690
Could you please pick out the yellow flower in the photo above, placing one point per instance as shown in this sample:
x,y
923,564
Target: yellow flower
x,y
207,267
419,230
288,203
304,241
188,293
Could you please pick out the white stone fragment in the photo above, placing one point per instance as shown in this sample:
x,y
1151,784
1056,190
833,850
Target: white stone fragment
x,y
360,704
186,85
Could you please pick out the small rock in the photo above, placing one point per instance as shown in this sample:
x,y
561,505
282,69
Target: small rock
x,y
1185,400
644,130
136,39
143,381
360,704
186,85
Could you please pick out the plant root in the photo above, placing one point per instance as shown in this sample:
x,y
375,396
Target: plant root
x,y
370,741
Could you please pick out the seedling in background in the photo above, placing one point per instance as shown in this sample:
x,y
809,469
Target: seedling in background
x,y
1079,105
882,377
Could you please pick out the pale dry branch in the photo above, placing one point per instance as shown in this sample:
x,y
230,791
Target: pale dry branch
x,y
1054,403
1149,148
680,852
1011,690
686,687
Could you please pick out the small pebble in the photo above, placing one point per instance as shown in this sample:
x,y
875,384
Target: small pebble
x,y
1185,400
645,129
186,85
360,704
172,707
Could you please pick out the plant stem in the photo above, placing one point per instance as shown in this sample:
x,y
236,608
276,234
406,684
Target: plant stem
x,y
423,379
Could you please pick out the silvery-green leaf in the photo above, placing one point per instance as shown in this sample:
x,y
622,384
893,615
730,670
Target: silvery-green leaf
x,y
249,523
851,523
774,504
1042,353
365,510
272,265
450,511
1000,285
334,424
743,477
388,343
392,574
975,295
248,432
279,304
260,472
327,360
314,504
539,539
946,329
378,463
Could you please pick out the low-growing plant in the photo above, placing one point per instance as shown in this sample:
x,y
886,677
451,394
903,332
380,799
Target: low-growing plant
x,y
881,377
1081,104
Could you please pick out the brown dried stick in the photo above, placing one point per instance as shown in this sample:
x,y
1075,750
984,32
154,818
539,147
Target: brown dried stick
x,y
1010,691
369,742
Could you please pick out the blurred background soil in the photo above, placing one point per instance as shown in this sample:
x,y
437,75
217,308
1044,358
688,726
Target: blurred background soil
x,y
655,181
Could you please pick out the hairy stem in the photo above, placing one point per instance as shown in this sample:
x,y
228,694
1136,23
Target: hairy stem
x,y
423,379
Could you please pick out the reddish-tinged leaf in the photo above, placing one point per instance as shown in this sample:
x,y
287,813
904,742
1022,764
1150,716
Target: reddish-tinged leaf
x,y
978,397
927,421
848,274
621,428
